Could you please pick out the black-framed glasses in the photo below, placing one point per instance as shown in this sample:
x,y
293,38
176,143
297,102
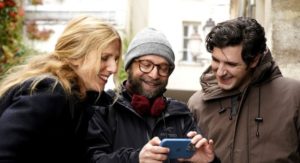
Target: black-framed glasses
x,y
147,66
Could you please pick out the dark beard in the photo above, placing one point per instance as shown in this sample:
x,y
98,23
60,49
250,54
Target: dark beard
x,y
136,87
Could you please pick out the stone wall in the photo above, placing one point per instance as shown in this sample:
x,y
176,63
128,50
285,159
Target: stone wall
x,y
286,36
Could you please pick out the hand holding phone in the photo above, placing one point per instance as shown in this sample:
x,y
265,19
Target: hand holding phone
x,y
179,147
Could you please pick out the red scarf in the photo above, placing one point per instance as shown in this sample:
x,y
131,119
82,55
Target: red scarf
x,y
143,106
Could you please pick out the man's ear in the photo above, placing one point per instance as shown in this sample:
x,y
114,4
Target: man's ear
x,y
255,61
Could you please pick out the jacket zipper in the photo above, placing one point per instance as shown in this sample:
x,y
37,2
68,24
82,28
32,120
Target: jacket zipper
x,y
236,120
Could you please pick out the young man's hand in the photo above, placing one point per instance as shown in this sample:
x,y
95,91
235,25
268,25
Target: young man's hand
x,y
204,150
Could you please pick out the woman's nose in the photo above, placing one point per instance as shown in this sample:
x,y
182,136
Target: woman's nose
x,y
112,67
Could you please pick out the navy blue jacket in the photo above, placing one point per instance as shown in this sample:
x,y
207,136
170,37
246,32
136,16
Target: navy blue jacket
x,y
117,133
45,126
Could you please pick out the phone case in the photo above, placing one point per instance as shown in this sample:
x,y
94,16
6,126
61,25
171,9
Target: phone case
x,y
179,147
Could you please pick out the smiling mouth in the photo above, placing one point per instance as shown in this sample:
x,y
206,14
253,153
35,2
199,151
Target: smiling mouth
x,y
151,83
103,77
224,80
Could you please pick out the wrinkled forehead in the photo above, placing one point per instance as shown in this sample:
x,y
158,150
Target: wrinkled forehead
x,y
229,53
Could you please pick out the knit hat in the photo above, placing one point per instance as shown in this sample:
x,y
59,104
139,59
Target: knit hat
x,y
149,41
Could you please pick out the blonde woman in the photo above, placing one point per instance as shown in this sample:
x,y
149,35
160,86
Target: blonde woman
x,y
46,103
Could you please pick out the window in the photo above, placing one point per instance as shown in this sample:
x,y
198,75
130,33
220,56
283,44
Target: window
x,y
193,50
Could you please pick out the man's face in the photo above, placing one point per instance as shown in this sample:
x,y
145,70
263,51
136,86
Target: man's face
x,y
229,68
149,84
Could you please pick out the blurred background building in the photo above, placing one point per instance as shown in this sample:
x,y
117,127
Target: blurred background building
x,y
184,22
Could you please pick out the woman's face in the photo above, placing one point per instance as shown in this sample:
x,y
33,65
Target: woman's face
x,y
96,80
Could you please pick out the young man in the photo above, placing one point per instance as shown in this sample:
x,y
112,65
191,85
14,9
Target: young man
x,y
246,106
131,129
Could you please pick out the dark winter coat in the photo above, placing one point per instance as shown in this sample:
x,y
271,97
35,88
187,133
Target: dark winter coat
x,y
260,124
118,133
45,126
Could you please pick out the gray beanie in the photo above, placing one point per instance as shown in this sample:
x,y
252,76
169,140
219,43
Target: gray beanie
x,y
149,41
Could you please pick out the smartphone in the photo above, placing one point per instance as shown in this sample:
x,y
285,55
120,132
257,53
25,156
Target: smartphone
x,y
179,147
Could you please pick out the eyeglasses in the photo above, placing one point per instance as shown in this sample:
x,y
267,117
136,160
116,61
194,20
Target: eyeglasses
x,y
147,66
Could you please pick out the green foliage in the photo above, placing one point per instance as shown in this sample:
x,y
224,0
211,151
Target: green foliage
x,y
122,73
11,47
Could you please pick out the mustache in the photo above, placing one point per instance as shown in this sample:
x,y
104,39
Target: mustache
x,y
154,82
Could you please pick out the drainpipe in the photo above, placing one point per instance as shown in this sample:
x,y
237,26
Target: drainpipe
x,y
241,8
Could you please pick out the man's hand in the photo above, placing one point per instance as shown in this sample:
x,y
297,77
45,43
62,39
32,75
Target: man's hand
x,y
204,151
153,153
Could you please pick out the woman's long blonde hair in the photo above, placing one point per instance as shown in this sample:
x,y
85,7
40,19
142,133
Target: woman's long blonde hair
x,y
82,35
